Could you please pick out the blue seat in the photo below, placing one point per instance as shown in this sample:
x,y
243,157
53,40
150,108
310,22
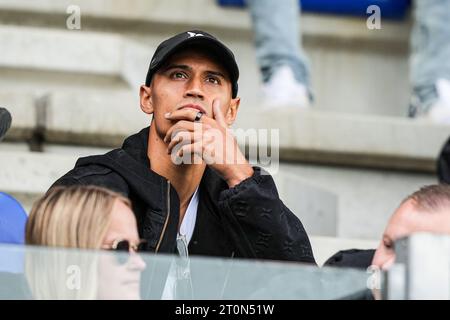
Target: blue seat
x,y
390,9
12,220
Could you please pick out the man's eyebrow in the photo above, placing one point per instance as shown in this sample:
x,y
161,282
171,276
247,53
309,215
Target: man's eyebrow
x,y
188,68
176,66
216,73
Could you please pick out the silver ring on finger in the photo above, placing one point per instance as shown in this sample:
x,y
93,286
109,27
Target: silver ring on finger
x,y
198,116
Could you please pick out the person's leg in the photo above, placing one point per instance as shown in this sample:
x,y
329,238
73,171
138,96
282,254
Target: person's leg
x,y
277,41
430,55
278,47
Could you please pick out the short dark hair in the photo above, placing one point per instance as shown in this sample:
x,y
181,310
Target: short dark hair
x,y
432,198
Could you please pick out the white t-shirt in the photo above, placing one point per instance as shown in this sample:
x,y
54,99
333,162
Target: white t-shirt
x,y
186,230
188,223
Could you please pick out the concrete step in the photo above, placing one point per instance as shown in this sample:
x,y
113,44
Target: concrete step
x,y
316,207
22,107
102,58
60,50
27,175
104,119
366,198
354,140
371,65
93,119
201,13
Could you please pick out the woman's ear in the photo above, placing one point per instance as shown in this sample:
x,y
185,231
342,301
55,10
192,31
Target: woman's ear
x,y
145,94
232,111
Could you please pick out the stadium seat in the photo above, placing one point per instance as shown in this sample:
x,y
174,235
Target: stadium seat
x,y
12,220
391,9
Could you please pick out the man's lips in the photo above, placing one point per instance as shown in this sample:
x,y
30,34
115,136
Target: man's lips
x,y
194,106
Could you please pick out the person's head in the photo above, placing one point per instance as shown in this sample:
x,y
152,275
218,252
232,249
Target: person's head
x,y
5,122
426,210
88,217
190,69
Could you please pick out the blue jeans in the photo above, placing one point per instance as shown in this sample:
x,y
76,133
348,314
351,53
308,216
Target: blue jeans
x,y
430,51
276,33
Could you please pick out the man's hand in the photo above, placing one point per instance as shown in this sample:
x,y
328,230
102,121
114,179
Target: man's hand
x,y
209,140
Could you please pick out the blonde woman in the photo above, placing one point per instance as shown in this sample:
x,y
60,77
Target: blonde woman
x,y
86,217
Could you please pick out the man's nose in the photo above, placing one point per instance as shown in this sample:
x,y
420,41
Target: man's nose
x,y
194,89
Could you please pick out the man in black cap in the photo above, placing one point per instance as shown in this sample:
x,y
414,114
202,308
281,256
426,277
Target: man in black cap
x,y
205,204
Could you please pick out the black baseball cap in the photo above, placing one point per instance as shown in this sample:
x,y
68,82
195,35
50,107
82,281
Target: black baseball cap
x,y
195,37
5,122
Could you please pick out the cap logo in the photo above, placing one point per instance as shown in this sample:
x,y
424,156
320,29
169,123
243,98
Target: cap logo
x,y
193,34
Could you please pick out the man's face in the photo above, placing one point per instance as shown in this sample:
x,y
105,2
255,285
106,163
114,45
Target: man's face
x,y
189,79
407,219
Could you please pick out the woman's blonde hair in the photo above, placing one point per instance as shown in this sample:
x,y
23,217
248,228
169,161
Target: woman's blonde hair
x,y
74,216
69,217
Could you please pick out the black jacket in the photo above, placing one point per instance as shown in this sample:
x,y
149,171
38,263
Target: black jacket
x,y
352,258
246,221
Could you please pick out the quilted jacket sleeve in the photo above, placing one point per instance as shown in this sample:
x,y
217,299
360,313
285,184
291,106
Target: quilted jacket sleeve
x,y
261,226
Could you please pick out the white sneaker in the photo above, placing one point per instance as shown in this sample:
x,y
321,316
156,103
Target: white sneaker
x,y
440,110
283,90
